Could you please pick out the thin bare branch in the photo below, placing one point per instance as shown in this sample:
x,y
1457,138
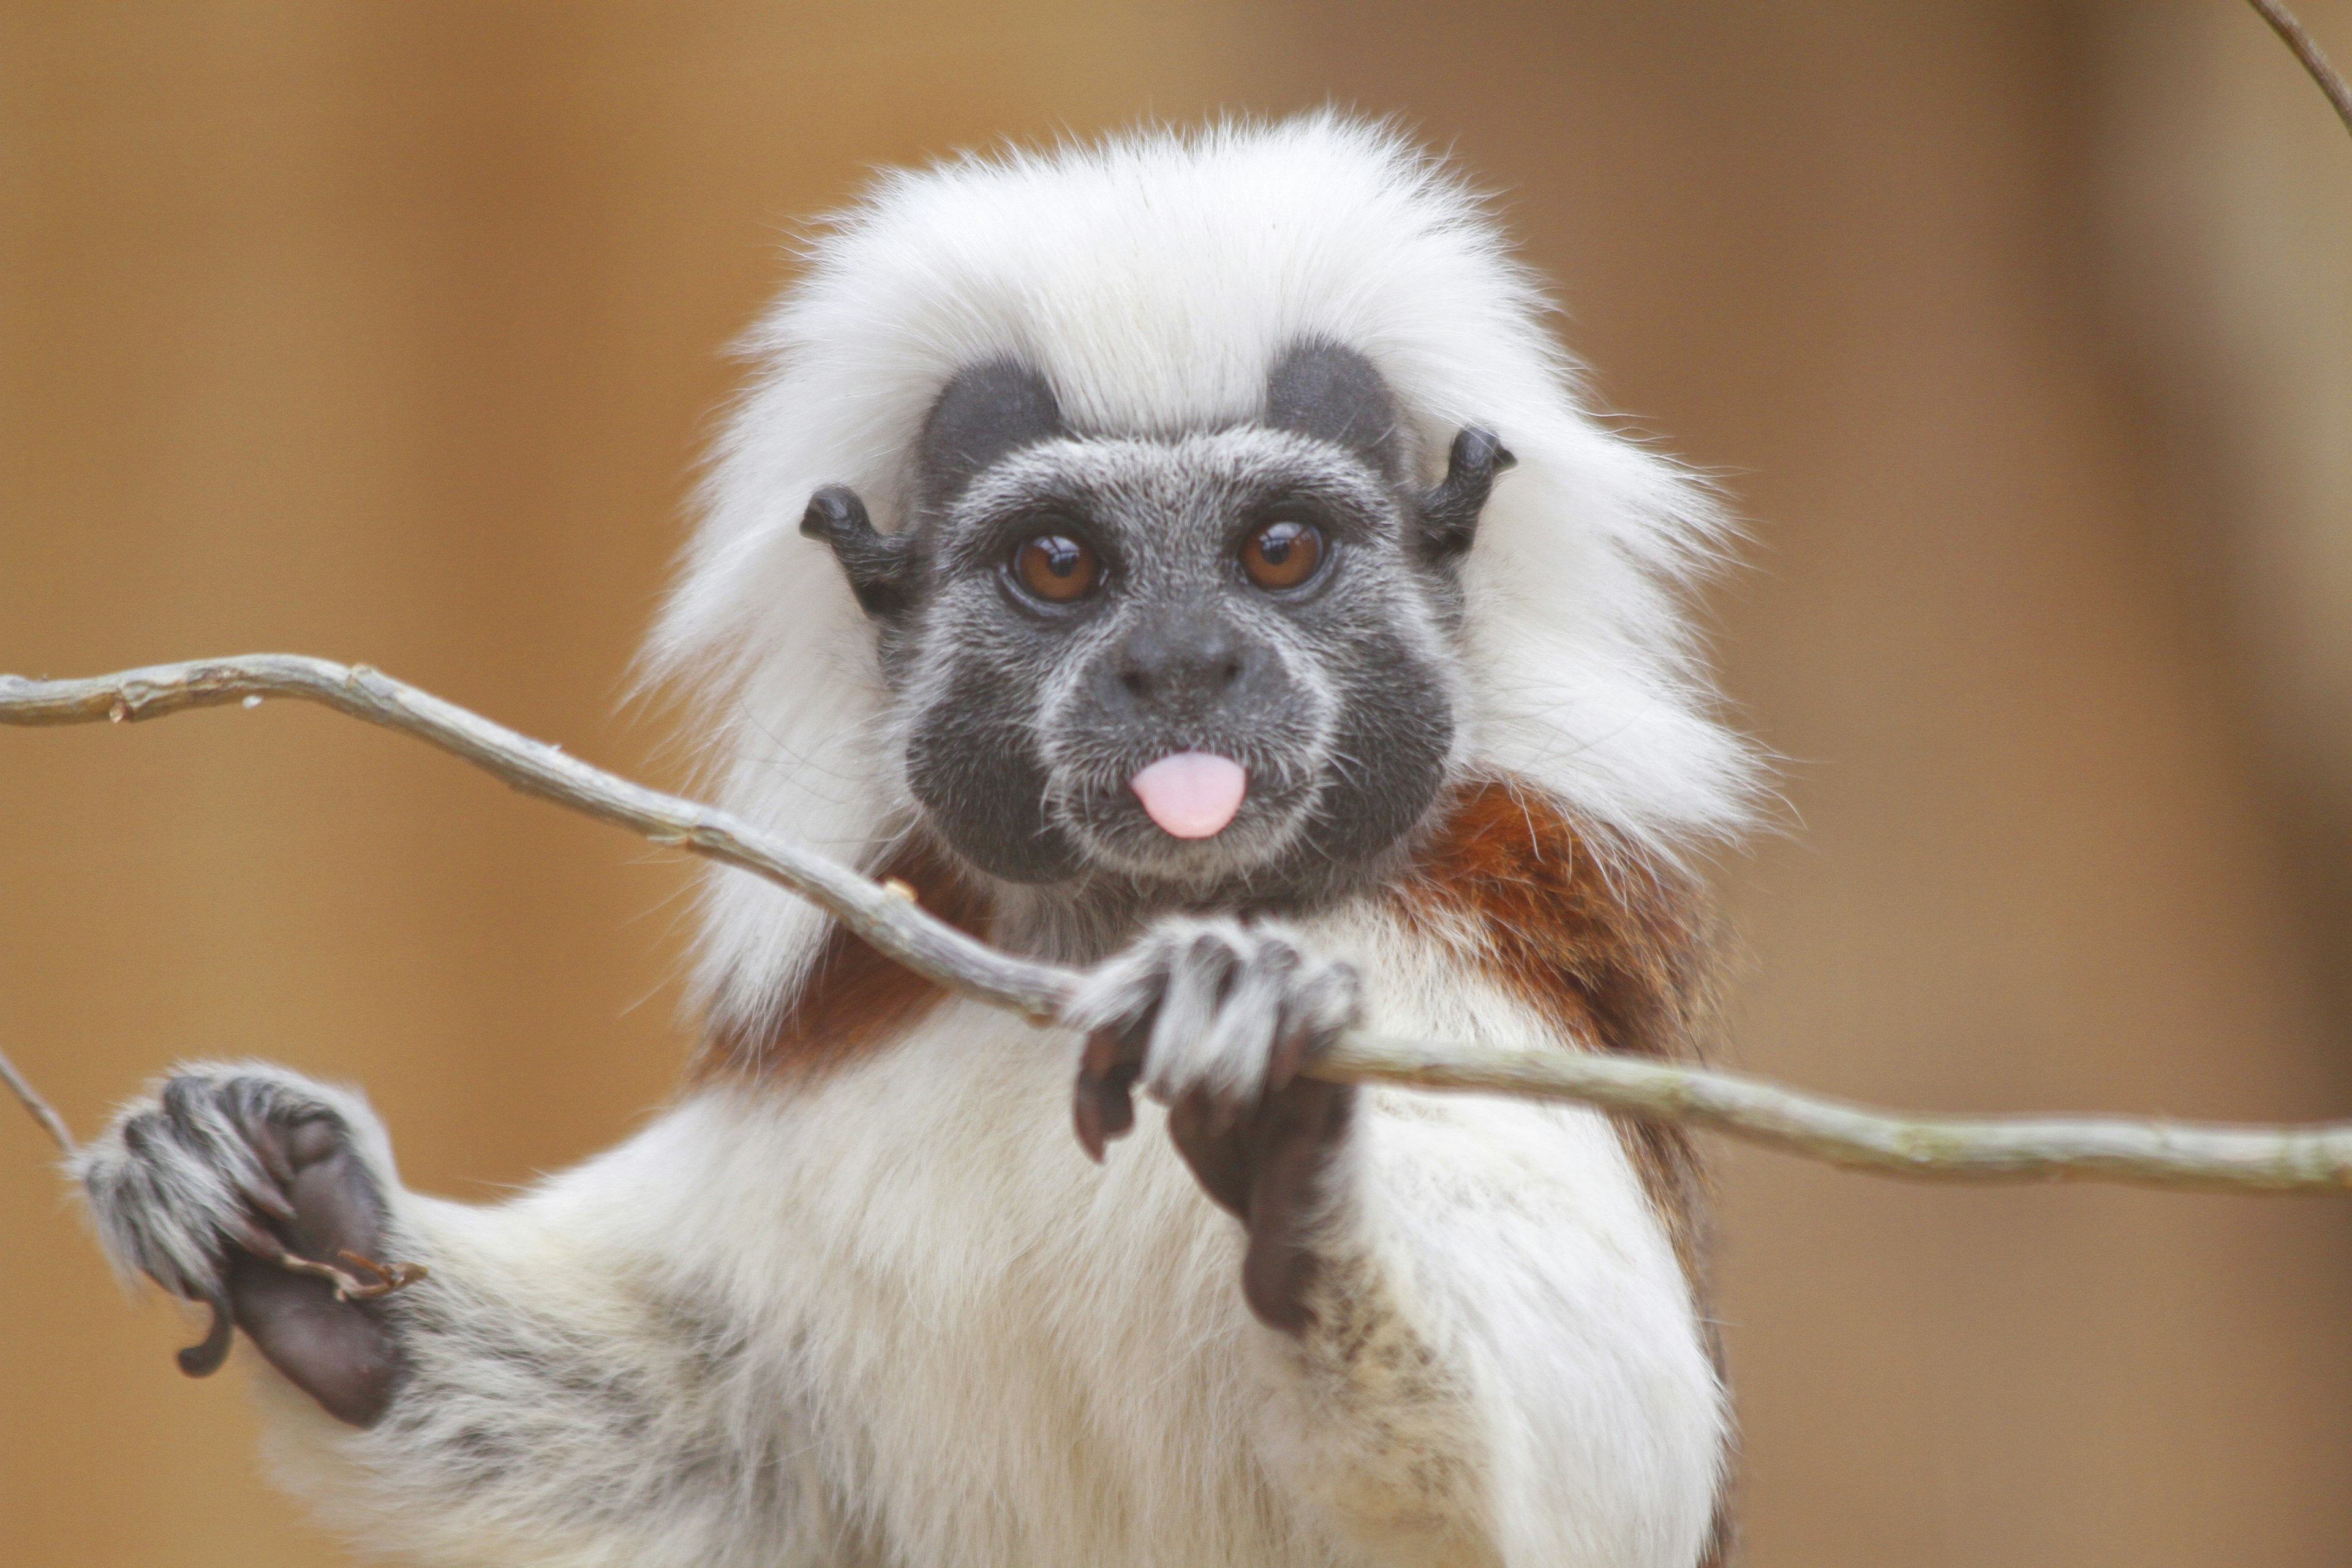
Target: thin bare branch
x,y
886,920
2244,1159
43,1112
2212,1156
2306,49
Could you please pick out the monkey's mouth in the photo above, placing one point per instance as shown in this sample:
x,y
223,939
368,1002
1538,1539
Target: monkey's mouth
x,y
1192,794
1188,814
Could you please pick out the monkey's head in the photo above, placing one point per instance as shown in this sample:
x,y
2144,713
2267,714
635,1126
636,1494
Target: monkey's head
x,y
1154,432
1218,662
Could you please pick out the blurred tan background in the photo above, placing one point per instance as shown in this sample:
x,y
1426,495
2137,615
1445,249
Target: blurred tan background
x,y
2023,333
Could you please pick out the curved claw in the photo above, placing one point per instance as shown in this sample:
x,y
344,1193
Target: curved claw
x,y
204,1358
1102,1102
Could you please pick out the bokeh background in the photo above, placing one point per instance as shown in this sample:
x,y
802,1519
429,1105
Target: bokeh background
x,y
2021,332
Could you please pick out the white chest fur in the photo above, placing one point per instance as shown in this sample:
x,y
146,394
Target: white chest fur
x,y
1002,1354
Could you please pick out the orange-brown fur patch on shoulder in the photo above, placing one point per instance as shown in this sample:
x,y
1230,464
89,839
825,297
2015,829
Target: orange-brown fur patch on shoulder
x,y
1612,948
855,1001
1619,952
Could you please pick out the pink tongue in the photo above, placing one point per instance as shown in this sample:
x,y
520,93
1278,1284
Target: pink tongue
x,y
1192,794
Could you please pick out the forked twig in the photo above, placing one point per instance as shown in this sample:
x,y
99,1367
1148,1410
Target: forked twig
x,y
204,1358
209,1354
389,1277
1940,1148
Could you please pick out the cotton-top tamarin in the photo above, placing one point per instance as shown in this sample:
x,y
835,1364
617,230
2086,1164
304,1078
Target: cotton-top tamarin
x,y
1185,557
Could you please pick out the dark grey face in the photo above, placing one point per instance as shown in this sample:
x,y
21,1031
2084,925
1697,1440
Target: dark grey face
x,y
1066,610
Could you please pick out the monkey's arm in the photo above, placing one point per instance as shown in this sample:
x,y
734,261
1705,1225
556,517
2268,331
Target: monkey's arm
x,y
1483,1348
548,1394
1498,1333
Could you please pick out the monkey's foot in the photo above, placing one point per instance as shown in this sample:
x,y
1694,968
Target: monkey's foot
x,y
246,1189
1216,1019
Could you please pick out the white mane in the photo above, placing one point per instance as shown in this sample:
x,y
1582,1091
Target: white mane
x,y
1154,277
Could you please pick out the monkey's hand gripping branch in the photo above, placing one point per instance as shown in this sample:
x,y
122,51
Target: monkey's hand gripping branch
x,y
1945,1148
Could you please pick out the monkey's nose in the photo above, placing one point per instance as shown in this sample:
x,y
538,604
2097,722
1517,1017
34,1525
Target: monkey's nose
x,y
1183,665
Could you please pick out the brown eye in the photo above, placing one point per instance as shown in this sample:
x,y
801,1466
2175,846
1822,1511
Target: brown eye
x,y
1054,566
1283,554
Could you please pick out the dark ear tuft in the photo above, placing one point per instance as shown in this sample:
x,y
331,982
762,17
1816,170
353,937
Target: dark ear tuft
x,y
1449,513
989,410
880,567
1322,389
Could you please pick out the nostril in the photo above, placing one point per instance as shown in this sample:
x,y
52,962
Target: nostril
x,y
1181,664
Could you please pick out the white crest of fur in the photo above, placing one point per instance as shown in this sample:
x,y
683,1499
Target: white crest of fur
x,y
1154,277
